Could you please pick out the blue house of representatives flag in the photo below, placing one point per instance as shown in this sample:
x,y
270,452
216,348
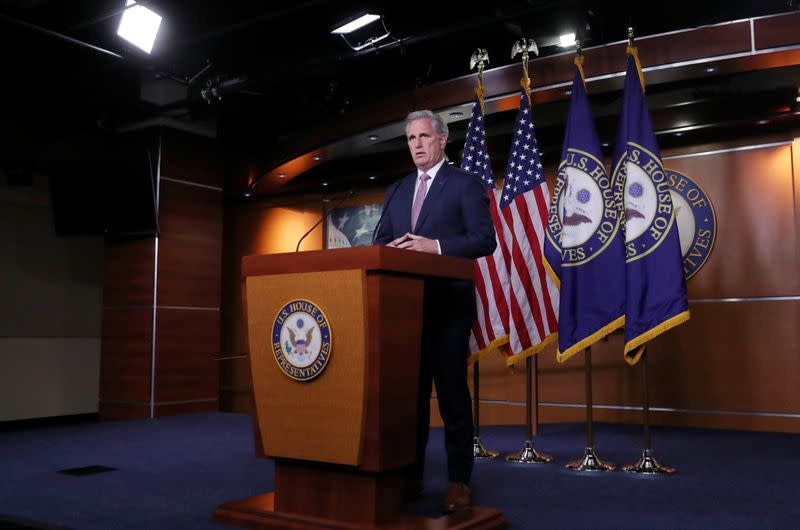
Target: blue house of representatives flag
x,y
656,290
584,248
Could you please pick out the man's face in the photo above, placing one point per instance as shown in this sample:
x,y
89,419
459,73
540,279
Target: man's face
x,y
426,147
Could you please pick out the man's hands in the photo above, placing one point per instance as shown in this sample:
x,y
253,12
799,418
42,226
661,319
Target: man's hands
x,y
413,242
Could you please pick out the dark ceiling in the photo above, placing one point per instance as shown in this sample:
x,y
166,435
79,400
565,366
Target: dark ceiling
x,y
280,70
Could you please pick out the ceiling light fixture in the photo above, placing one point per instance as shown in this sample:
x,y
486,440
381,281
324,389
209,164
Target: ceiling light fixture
x,y
372,177
456,115
317,158
362,31
711,69
281,175
373,137
360,22
139,26
566,40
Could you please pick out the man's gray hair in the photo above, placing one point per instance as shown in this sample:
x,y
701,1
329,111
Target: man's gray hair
x,y
439,125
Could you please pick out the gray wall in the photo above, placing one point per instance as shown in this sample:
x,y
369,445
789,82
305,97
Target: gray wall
x,y
50,309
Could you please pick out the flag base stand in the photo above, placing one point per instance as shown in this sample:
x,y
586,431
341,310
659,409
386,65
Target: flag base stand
x,y
479,451
590,462
529,455
649,465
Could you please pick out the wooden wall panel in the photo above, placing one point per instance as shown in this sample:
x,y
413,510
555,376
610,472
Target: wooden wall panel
x,y
187,325
190,246
774,32
187,345
175,409
128,272
123,411
126,354
752,192
191,158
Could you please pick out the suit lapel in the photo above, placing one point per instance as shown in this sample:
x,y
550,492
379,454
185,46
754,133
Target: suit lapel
x,y
405,198
431,198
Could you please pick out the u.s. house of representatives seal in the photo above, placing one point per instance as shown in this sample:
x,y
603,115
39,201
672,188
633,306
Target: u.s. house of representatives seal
x,y
301,340
584,218
648,208
697,222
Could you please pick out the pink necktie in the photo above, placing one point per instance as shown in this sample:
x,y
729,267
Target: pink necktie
x,y
419,198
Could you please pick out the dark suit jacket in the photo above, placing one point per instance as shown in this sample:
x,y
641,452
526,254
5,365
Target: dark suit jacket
x,y
456,212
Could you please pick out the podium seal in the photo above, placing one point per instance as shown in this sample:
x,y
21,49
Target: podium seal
x,y
301,340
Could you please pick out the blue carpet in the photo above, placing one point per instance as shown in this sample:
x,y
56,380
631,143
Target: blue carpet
x,y
171,473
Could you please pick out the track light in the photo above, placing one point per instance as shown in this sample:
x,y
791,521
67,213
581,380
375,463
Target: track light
x,y
362,32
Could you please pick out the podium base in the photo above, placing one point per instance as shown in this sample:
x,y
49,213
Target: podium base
x,y
259,512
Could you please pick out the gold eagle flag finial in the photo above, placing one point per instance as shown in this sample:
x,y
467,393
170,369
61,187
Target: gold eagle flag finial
x,y
479,58
525,46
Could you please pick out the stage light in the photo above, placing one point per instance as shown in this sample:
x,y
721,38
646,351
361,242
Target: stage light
x,y
139,26
362,32
566,40
360,22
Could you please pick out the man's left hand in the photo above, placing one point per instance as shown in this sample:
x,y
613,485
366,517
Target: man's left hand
x,y
420,244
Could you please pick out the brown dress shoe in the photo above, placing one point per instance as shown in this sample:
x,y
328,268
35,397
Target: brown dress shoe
x,y
457,497
412,490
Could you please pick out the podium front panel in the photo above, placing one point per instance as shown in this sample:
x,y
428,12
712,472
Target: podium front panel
x,y
300,415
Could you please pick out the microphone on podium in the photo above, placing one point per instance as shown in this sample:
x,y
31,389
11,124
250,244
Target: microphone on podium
x,y
383,212
350,193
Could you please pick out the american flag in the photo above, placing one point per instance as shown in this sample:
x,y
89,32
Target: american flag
x,y
490,328
524,203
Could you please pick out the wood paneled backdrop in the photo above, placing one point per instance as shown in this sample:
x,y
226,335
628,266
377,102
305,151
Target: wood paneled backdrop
x,y
735,364
173,370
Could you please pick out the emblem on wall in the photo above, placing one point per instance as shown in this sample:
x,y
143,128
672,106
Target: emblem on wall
x,y
301,340
697,222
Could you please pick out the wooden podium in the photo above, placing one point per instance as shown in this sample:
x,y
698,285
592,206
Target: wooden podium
x,y
342,432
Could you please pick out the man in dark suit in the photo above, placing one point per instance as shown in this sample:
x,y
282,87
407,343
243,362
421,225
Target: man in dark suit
x,y
443,210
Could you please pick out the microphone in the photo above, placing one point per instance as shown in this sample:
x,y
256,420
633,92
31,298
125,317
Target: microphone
x,y
383,212
350,193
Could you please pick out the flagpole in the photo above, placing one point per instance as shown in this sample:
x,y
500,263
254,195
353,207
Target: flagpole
x,y
478,450
528,454
590,460
479,59
647,463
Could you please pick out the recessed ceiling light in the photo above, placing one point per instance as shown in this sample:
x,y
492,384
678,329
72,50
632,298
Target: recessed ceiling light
x,y
317,158
372,177
324,183
605,144
762,122
248,194
711,69
568,92
456,115
678,134
373,137
281,175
